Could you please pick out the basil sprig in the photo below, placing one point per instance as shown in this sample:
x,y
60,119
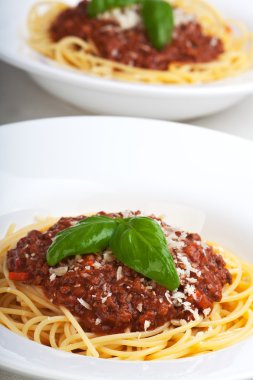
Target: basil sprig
x,y
138,242
158,21
157,15
90,235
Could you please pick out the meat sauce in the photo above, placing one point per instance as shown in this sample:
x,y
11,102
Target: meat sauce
x,y
108,297
131,46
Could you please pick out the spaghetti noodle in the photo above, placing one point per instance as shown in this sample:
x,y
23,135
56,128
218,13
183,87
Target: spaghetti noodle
x,y
26,311
83,55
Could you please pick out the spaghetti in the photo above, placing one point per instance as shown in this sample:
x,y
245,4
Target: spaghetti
x,y
26,311
75,52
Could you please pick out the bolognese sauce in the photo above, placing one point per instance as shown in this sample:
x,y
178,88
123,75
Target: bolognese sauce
x,y
107,296
131,46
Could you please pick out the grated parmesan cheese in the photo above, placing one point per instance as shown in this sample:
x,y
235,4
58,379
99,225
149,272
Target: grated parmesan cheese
x,y
119,273
190,289
60,271
97,265
191,280
213,42
194,312
167,296
84,303
104,299
127,214
146,325
139,307
108,257
52,277
207,311
181,17
176,294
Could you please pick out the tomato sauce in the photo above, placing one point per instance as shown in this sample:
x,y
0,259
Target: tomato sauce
x,y
131,46
108,297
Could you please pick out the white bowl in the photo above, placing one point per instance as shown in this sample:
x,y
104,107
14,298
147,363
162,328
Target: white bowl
x,y
114,97
200,179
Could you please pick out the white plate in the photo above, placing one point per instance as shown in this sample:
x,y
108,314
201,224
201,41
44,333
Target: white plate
x,y
200,179
105,96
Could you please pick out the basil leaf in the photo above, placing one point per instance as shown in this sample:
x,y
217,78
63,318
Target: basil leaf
x,y
91,235
158,21
140,244
96,7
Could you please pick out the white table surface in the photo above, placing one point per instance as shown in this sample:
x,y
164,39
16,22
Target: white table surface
x,y
21,99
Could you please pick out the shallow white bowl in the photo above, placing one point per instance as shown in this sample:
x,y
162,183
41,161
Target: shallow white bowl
x,y
114,97
201,180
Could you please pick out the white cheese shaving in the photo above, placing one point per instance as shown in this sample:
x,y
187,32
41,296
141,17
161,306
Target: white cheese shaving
x,y
194,312
108,257
127,18
174,241
176,294
167,296
84,303
190,289
213,42
97,265
52,277
98,321
188,267
181,272
146,325
191,280
119,273
104,299
207,311
60,271
139,307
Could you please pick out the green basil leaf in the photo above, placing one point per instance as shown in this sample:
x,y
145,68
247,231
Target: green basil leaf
x,y
140,244
158,21
91,235
97,7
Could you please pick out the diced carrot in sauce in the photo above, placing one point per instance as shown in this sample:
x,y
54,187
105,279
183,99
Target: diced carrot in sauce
x,y
18,276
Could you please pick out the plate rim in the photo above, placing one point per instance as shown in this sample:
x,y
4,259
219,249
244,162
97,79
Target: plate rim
x,y
153,122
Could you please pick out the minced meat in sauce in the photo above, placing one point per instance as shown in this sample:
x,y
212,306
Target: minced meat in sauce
x,y
108,297
131,46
